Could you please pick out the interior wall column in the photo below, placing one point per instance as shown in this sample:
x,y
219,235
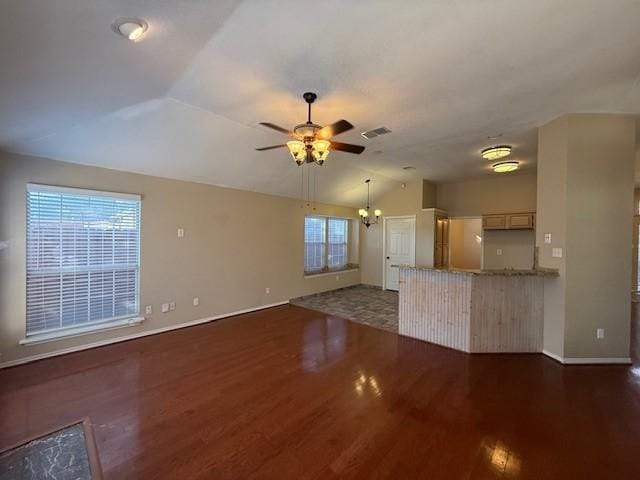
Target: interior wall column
x,y
584,200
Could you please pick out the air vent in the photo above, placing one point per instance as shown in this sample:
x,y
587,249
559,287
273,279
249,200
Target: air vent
x,y
369,134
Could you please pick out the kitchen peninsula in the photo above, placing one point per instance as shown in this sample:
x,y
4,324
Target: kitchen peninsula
x,y
474,311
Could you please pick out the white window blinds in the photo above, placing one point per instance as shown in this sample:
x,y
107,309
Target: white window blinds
x,y
83,257
314,243
338,253
325,243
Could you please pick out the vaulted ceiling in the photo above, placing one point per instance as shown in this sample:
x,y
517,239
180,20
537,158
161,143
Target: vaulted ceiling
x,y
185,103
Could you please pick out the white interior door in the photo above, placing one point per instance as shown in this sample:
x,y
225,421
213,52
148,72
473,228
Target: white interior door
x,y
399,247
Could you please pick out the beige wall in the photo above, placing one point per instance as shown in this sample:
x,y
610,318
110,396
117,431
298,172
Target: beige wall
x,y
585,182
429,194
504,193
517,248
236,244
401,201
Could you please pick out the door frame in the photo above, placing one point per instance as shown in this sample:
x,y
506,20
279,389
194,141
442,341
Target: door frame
x,y
384,242
635,274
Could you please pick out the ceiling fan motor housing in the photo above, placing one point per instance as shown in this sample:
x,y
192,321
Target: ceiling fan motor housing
x,y
309,97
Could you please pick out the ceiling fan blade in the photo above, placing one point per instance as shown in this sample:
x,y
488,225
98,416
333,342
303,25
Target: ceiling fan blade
x,y
334,129
271,147
346,147
279,129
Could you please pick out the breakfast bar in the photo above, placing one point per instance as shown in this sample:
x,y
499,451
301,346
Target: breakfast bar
x,y
475,311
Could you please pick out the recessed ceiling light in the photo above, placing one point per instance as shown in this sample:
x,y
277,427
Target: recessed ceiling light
x,y
130,28
494,153
504,167
409,167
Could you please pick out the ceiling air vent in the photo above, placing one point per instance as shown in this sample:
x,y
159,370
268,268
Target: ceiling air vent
x,y
369,134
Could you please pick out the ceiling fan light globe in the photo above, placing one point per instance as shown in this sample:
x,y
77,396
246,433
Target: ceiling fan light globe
x,y
298,151
320,150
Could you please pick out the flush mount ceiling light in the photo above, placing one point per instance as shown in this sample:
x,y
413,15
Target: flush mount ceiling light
x,y
504,167
130,28
494,153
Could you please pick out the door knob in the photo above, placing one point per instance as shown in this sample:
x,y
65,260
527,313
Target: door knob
x,y
387,258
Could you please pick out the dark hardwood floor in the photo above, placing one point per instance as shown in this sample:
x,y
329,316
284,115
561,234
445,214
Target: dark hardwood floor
x,y
289,393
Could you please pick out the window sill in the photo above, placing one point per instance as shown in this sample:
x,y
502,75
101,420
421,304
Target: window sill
x,y
332,272
77,331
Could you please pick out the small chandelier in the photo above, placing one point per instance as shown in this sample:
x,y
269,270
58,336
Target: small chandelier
x,y
365,217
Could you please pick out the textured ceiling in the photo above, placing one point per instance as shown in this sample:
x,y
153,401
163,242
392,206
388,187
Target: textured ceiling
x,y
185,103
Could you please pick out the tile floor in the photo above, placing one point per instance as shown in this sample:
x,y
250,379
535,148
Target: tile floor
x,y
364,304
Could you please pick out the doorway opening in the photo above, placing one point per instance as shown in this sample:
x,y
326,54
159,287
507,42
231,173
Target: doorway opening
x,y
465,243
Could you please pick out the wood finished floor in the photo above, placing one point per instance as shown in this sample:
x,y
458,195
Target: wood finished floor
x,y
289,393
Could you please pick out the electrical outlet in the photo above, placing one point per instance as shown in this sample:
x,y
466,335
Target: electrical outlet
x,y
196,301
172,306
148,310
547,238
600,333
164,307
180,232
267,290
556,252
499,251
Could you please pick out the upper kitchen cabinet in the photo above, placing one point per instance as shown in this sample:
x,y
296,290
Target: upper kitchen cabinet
x,y
509,221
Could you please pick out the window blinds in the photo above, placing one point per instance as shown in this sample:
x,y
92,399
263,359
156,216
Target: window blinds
x,y
83,257
314,243
325,243
338,253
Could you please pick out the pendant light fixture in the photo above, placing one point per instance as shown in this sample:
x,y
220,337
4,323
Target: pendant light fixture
x,y
365,215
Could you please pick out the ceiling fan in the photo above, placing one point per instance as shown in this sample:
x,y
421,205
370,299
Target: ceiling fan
x,y
311,142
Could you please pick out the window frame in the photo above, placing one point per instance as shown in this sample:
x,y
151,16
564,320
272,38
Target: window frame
x,y
326,270
90,326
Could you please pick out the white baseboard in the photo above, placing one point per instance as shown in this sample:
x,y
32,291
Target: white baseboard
x,y
101,343
588,360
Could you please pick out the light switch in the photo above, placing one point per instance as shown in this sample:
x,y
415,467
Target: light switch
x,y
180,232
499,251
556,252
547,238
164,307
172,306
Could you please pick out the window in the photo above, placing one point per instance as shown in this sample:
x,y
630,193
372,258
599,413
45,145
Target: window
x,y
83,258
326,245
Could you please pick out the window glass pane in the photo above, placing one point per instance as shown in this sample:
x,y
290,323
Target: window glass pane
x,y
82,258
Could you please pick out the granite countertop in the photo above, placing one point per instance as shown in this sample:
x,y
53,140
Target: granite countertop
x,y
540,271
